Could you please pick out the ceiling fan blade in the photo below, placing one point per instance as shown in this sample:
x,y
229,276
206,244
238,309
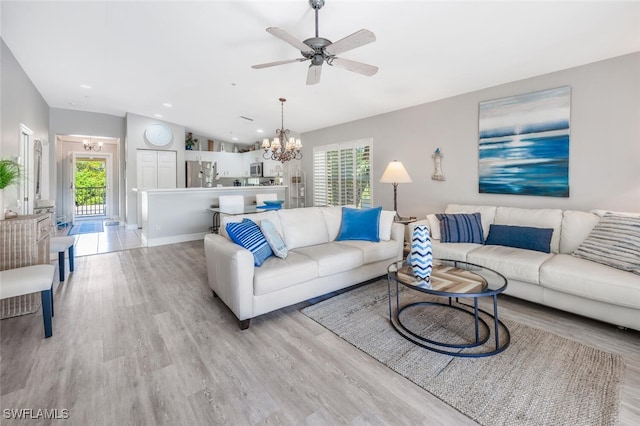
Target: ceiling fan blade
x,y
313,76
357,39
273,64
359,67
285,36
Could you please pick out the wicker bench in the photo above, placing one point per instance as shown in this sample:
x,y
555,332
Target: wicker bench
x,y
31,279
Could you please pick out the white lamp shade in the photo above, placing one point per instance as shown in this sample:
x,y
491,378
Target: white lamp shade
x,y
395,173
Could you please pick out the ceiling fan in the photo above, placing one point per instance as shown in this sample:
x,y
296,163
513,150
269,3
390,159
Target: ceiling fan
x,y
319,50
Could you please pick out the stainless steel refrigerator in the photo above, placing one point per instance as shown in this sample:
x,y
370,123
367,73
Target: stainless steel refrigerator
x,y
201,174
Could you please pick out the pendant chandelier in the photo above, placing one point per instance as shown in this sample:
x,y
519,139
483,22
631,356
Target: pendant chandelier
x,y
91,145
282,148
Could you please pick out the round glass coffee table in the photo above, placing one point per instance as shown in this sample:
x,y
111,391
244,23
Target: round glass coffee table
x,y
449,327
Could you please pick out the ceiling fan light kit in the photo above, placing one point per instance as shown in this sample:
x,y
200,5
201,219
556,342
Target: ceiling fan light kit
x,y
319,50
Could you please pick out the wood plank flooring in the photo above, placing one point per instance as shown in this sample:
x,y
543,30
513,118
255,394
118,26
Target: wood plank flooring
x,y
139,339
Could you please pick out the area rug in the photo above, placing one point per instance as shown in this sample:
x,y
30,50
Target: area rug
x,y
86,228
540,379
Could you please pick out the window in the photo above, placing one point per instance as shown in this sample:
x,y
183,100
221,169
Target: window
x,y
342,174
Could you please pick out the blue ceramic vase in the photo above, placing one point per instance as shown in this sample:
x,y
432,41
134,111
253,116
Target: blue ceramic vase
x,y
421,254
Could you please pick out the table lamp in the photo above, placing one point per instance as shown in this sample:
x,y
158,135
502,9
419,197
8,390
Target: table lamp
x,y
395,173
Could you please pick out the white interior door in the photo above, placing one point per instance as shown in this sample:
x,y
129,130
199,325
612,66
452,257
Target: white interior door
x,y
147,169
167,173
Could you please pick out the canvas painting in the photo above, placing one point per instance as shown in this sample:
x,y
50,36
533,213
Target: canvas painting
x,y
524,144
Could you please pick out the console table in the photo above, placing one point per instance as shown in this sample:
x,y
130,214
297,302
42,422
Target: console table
x,y
24,241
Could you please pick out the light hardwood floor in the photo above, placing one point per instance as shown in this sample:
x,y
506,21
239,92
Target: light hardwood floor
x,y
139,339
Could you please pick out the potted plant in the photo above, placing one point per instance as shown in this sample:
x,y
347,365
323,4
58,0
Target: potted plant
x,y
190,141
9,175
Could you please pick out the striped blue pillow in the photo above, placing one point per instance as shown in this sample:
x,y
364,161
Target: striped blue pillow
x,y
248,235
460,228
615,242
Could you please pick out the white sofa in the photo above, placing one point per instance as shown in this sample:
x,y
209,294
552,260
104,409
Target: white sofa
x,y
555,279
316,264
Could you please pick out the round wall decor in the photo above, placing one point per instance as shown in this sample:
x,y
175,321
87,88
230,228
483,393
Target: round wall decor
x,y
158,134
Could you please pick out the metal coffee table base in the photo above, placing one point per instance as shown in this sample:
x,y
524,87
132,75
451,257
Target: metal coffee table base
x,y
481,327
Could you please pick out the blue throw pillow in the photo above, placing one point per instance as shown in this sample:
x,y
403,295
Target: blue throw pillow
x,y
524,237
360,224
461,228
274,239
248,235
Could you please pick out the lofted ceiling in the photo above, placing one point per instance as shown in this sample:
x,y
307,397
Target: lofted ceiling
x,y
197,56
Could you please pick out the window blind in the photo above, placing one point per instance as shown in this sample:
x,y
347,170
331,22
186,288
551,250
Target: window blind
x,y
342,174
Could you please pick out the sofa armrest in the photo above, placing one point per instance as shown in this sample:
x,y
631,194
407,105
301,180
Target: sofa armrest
x,y
397,234
230,270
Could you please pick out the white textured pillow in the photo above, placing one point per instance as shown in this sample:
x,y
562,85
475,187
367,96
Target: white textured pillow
x,y
274,239
434,226
386,222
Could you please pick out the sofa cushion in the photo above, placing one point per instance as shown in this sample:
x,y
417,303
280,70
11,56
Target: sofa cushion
x,y
524,237
487,213
360,224
615,242
513,263
461,228
457,251
333,258
576,226
274,239
248,235
538,218
591,280
303,227
333,219
375,252
386,222
277,274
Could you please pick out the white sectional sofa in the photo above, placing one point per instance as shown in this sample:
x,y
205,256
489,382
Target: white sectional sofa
x,y
316,264
555,279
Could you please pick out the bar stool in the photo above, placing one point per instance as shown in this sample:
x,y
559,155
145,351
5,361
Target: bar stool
x,y
59,245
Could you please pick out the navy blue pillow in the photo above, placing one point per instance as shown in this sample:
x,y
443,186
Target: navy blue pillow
x,y
461,228
248,235
360,224
524,237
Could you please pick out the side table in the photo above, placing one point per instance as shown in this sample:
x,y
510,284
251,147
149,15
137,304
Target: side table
x,y
405,221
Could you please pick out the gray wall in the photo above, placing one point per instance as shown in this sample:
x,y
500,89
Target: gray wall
x,y
72,122
21,104
604,164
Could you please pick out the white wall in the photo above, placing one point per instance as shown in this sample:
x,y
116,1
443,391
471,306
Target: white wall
x,y
136,125
21,103
604,163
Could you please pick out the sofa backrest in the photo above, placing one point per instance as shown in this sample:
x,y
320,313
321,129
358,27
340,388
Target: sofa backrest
x,y
576,226
303,227
487,214
537,218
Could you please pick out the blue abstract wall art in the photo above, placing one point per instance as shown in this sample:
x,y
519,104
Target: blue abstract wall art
x,y
524,144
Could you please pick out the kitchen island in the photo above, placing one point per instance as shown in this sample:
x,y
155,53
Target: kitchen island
x,y
175,215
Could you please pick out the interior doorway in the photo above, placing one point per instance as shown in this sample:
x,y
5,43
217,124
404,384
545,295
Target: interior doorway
x,y
91,186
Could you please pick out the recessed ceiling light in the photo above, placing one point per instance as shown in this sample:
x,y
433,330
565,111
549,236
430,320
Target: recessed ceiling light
x,y
85,86
157,115
234,139
260,131
167,105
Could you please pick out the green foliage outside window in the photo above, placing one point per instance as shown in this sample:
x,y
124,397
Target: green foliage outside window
x,y
91,182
